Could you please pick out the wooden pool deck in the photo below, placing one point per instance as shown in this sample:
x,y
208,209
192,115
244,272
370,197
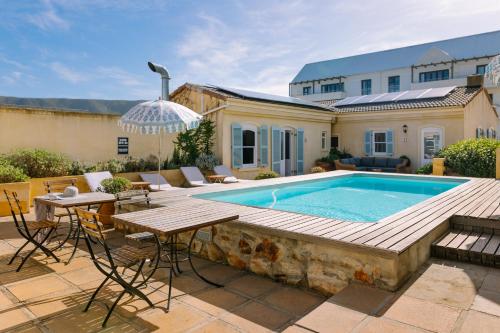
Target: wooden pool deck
x,y
394,234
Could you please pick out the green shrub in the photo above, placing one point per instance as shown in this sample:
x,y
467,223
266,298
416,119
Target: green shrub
x,y
115,185
425,169
39,163
317,169
139,165
11,174
472,157
336,154
206,161
113,166
267,175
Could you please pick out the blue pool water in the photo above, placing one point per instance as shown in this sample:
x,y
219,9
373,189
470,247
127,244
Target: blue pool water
x,y
359,197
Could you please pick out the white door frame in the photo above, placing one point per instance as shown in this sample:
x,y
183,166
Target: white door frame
x,y
440,130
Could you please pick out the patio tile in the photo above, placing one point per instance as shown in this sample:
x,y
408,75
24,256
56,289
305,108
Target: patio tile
x,y
82,276
330,317
180,318
214,301
423,314
252,285
491,282
39,286
362,298
244,324
377,325
27,328
5,301
77,321
259,314
487,301
76,264
49,305
296,329
130,306
13,317
477,322
216,326
219,273
464,274
294,300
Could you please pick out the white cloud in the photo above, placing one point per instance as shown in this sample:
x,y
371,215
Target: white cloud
x,y
48,18
68,74
11,62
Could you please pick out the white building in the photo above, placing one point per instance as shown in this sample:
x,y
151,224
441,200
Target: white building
x,y
438,64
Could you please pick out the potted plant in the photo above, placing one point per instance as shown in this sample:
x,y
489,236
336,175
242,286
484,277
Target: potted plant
x,y
13,179
324,163
113,186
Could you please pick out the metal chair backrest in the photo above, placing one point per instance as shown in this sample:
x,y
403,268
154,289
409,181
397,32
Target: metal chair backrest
x,y
132,197
15,207
58,185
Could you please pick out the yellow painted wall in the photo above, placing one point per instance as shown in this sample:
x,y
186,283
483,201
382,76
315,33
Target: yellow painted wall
x,y
479,113
289,117
84,137
351,129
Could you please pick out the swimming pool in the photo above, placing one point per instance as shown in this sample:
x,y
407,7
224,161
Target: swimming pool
x,y
356,197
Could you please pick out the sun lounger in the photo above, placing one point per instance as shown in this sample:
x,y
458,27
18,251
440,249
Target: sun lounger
x,y
194,176
157,183
94,179
225,171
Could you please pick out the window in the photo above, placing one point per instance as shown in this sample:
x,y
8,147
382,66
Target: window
x,y
249,146
393,82
379,143
306,90
480,69
334,142
366,87
332,87
323,140
443,74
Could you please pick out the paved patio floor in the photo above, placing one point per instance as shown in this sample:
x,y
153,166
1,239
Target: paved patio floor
x,y
49,297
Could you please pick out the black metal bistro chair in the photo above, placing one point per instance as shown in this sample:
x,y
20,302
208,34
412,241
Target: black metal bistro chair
x,y
36,233
109,260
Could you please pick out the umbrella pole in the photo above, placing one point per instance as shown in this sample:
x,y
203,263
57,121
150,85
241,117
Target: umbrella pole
x,y
159,161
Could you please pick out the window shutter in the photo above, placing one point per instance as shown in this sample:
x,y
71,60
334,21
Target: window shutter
x,y
264,146
276,149
390,143
300,151
368,143
237,145
477,133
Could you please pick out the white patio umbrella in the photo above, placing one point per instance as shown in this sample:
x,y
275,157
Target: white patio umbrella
x,y
160,116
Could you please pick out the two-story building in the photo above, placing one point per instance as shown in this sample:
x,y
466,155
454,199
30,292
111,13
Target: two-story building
x,y
442,63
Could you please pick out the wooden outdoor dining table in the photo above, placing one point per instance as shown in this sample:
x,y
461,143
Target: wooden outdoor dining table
x,y
167,222
81,200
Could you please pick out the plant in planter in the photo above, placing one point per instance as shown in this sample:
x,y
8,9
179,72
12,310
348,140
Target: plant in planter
x,y
13,179
266,175
206,162
115,185
39,163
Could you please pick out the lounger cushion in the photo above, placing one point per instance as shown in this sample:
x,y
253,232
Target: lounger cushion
x,y
380,162
347,161
367,161
94,179
393,162
356,161
229,180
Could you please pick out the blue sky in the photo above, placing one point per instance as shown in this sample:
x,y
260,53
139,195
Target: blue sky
x,y
99,48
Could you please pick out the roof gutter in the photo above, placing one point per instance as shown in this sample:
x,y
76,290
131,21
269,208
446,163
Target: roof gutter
x,y
215,109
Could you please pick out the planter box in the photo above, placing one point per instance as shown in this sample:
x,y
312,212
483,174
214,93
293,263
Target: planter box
x,y
23,192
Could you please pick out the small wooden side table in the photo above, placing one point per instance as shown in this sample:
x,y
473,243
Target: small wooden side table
x,y
216,178
140,185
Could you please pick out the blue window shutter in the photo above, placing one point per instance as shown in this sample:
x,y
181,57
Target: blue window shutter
x,y
276,149
300,151
237,145
368,143
264,146
390,143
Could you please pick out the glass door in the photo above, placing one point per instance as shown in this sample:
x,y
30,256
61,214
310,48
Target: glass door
x,y
432,142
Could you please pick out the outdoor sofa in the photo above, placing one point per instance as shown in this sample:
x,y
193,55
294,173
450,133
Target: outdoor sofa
x,y
384,164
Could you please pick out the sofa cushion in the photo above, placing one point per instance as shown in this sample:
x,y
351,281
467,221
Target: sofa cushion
x,y
392,162
360,168
356,161
380,162
367,161
346,161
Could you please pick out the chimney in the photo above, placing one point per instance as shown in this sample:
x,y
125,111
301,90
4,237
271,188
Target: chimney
x,y
475,80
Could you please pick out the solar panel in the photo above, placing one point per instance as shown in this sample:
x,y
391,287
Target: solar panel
x,y
411,94
267,97
390,97
437,92
346,101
